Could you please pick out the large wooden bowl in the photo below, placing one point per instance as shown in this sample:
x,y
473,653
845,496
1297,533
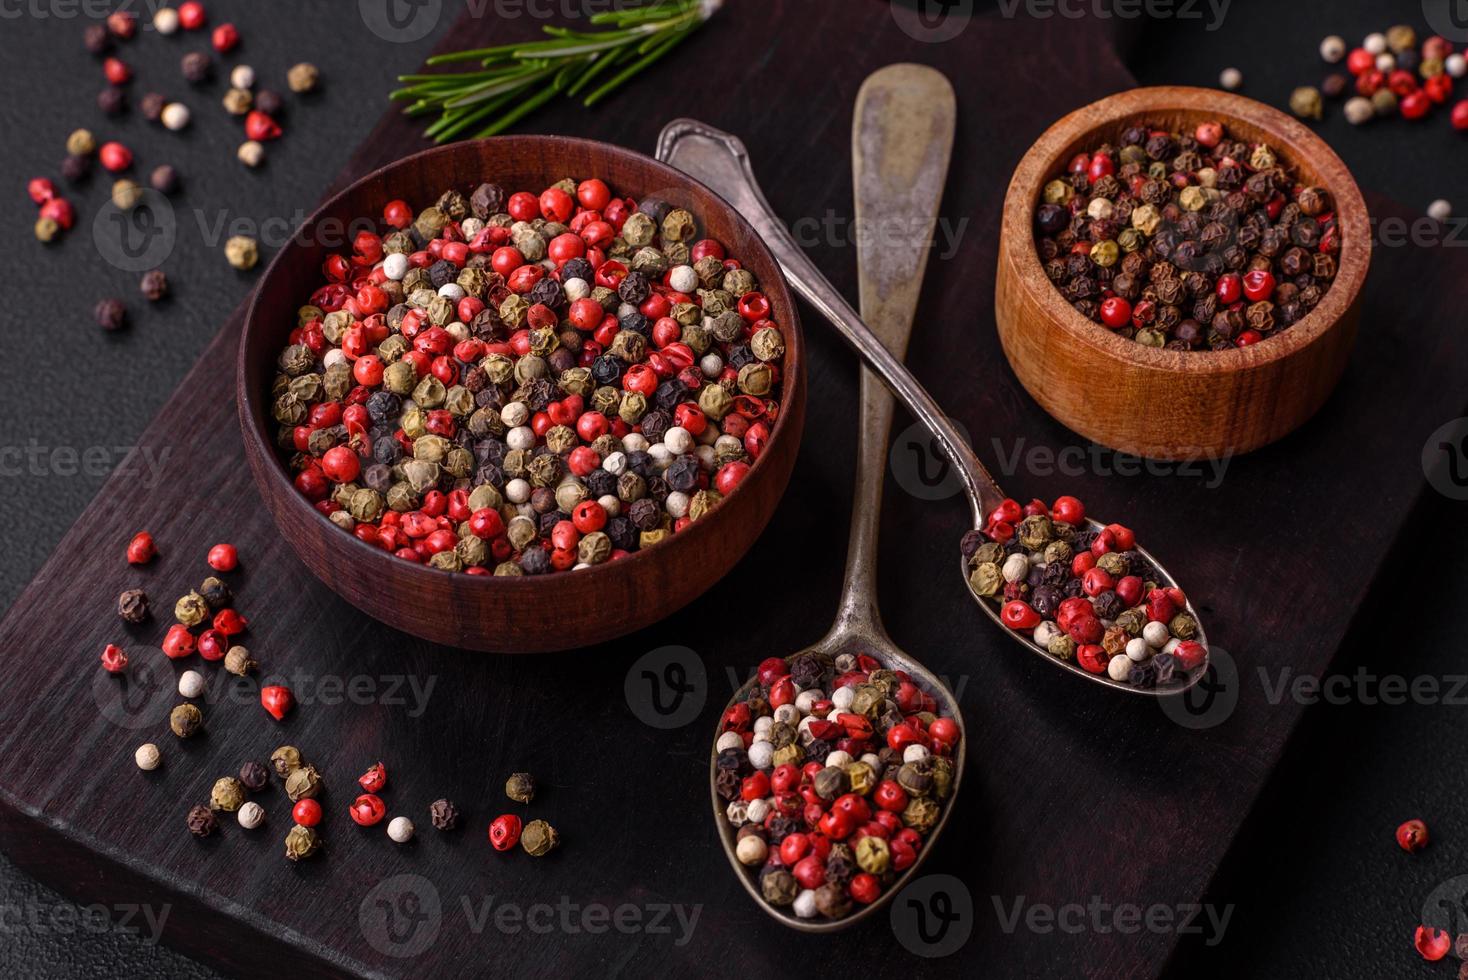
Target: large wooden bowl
x,y
509,614
1160,403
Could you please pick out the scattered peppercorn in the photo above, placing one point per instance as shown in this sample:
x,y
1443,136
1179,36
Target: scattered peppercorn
x,y
114,659
242,252
303,77
238,661
277,701
285,760
1231,79
154,285
520,787
152,105
141,549
443,814
112,101
250,815
400,830
176,116
164,179
539,838
110,314
186,720
197,66
1305,102
223,557
148,757
269,102
253,776
237,101
75,169
202,822
251,153
227,795
504,832
96,39
304,782
126,194
81,143
301,842
1412,836
132,606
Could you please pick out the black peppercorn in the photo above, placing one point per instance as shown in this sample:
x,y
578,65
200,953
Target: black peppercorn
x,y
110,314
75,168
154,285
197,67
269,102
96,39
202,822
443,814
164,179
254,776
132,605
111,101
151,106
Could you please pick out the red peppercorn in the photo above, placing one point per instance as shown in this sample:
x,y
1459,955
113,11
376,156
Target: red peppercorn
x,y
1092,657
114,660
1360,60
229,622
41,190
115,157
902,853
341,464
306,812
1416,105
1432,943
117,71
1248,338
1230,287
1412,836
140,550
1096,581
864,888
890,796
224,557
1208,134
810,871
1401,82
1459,116
754,787
945,731
1068,509
367,810
191,15
1190,654
1258,284
374,779
504,832
277,700
1115,312
59,210
213,645
122,24
556,205
225,38
1085,628
259,126
1101,165
178,643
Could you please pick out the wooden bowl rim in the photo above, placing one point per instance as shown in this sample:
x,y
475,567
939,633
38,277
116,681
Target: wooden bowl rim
x,y
273,471
1297,141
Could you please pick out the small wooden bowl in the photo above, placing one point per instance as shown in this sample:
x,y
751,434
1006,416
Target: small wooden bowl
x,y
1174,404
560,611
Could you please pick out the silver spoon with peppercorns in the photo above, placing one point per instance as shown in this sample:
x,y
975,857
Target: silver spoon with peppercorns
x,y
835,769
1078,592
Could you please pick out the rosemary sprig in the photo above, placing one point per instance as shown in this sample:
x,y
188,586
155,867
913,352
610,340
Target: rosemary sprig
x,y
515,79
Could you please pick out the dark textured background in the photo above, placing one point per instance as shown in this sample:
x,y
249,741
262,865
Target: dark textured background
x,y
1318,885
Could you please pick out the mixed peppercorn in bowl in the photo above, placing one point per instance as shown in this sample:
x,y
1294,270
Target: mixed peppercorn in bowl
x,y
511,376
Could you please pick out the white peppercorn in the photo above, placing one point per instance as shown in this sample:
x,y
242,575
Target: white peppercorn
x,y
751,850
176,116
1358,110
148,757
251,153
1137,649
1231,79
191,684
1156,634
243,76
1119,667
400,829
1440,210
1333,49
250,815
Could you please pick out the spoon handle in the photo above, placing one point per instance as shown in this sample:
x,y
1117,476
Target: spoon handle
x,y
721,162
901,142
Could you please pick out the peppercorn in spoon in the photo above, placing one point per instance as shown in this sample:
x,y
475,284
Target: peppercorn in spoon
x,y
1075,591
877,812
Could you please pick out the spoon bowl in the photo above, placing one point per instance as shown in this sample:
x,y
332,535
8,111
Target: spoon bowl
x,y
720,161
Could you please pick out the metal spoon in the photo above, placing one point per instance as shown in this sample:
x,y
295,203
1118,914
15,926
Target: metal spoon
x,y
720,161
902,139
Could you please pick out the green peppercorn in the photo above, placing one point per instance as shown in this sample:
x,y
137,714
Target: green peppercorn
x,y
301,842
539,838
191,610
242,252
285,760
303,783
778,887
520,787
227,795
921,814
185,720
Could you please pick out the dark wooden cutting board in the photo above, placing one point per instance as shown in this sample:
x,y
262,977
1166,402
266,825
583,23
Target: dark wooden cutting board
x,y
1074,795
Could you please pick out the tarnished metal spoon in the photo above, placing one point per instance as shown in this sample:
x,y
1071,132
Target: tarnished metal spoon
x,y
721,162
902,138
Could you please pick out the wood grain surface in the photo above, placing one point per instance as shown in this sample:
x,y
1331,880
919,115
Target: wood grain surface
x,y
1071,794
1167,404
